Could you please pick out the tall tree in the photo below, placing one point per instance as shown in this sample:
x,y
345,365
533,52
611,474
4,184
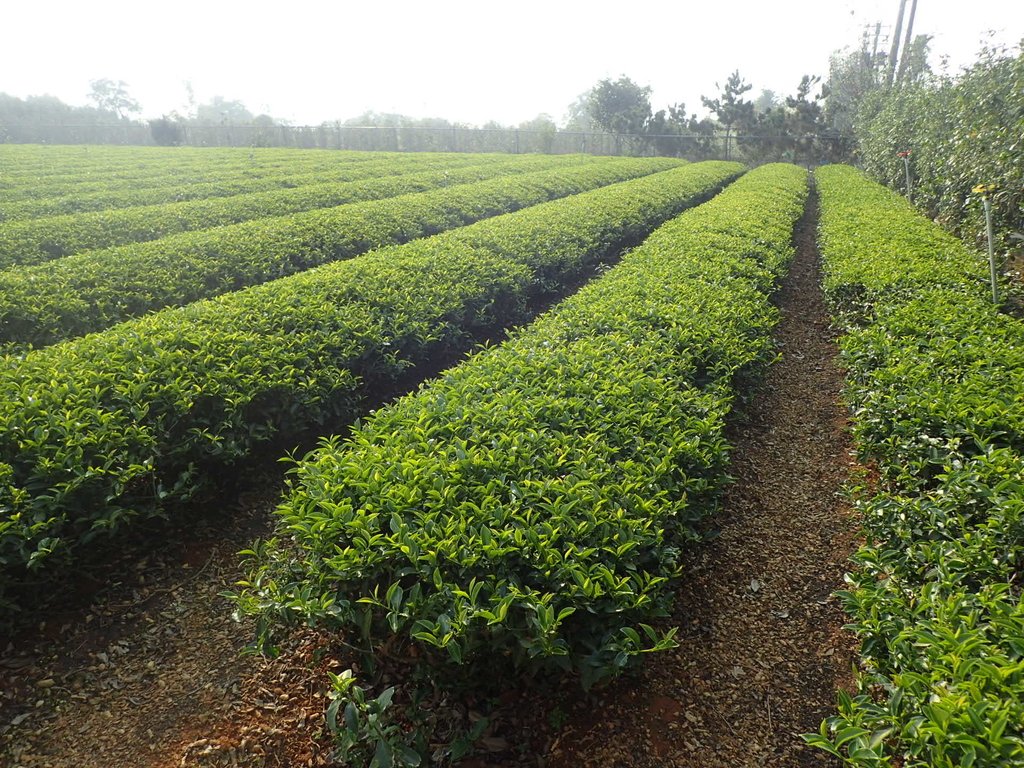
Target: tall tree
x,y
110,96
852,76
620,106
578,117
671,132
730,109
805,122
766,101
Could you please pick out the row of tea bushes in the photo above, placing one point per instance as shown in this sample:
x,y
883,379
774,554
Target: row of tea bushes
x,y
91,291
935,379
113,426
156,190
40,240
70,172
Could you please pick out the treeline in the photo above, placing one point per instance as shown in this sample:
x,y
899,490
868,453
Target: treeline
x,y
48,120
111,118
615,117
768,129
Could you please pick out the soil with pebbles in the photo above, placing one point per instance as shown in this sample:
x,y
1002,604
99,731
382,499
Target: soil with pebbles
x,y
150,675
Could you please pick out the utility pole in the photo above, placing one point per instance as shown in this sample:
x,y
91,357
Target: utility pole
x,y
895,49
905,58
873,64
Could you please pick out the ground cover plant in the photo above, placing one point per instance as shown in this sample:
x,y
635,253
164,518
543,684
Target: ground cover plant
x,y
935,376
98,431
91,291
525,513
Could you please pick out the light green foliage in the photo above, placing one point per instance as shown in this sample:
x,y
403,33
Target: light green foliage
x,y
45,239
38,172
91,291
908,253
935,381
162,187
111,426
525,511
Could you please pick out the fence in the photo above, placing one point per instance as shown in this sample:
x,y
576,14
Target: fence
x,y
805,149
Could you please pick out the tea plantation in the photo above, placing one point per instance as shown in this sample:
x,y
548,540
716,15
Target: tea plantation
x,y
168,316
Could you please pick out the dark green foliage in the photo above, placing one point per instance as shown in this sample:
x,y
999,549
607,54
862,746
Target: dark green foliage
x,y
935,381
115,425
620,106
166,131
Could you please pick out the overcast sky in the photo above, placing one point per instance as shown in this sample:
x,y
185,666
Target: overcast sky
x,y
469,61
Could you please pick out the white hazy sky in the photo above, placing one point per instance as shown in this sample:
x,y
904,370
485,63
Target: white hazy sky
x,y
466,60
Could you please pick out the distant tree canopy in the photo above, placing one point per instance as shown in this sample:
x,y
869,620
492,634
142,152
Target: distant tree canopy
x,y
542,122
620,106
221,111
166,131
48,119
768,100
624,107
110,96
578,117
395,120
771,128
733,112
730,108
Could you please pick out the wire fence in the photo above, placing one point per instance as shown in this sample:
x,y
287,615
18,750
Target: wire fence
x,y
809,148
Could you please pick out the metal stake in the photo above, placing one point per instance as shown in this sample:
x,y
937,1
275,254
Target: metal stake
x,y
991,250
906,167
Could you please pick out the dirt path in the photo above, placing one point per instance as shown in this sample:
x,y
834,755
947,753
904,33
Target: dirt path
x,y
140,677
761,647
